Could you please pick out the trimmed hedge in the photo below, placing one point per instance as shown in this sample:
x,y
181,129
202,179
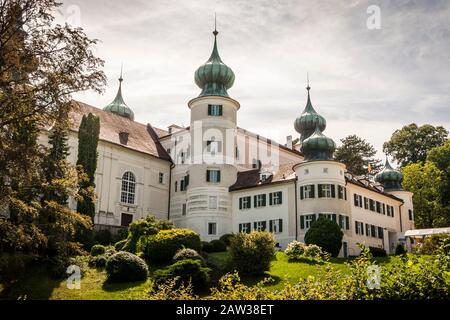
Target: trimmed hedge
x,y
124,267
187,254
326,234
97,250
377,252
162,246
214,246
185,271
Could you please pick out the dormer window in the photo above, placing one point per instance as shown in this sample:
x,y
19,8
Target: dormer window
x,y
215,110
123,138
264,176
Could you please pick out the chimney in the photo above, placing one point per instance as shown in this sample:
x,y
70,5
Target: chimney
x,y
123,137
289,142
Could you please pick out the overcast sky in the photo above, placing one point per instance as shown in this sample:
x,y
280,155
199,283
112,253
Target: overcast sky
x,y
364,81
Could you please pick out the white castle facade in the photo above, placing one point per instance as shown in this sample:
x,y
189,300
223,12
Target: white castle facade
x,y
217,178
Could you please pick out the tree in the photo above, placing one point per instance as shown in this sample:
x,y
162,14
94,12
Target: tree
x,y
356,153
88,134
412,143
440,157
326,234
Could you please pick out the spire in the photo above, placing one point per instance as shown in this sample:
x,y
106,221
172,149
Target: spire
x,y
387,164
309,106
215,57
118,105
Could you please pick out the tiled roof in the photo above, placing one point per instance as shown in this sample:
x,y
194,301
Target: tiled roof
x,y
351,178
142,138
251,178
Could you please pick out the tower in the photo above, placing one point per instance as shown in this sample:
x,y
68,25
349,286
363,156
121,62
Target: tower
x,y
211,166
118,105
391,180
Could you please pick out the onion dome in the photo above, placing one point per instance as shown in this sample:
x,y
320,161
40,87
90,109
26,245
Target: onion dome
x,y
214,77
306,123
318,146
118,106
390,178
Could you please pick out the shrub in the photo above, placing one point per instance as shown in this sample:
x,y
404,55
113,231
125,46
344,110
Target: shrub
x,y
143,228
377,252
313,251
124,266
12,266
295,251
97,250
185,272
326,234
187,254
120,244
57,266
104,236
162,246
432,243
214,246
400,249
226,238
98,261
251,253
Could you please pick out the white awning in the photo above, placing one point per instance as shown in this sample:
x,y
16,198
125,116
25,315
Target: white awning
x,y
426,232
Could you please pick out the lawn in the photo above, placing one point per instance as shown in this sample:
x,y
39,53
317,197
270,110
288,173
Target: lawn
x,y
36,284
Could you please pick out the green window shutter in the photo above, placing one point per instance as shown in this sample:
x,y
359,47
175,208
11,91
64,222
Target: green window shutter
x,y
302,222
264,200
333,217
333,191
255,199
362,228
301,193
270,226
240,204
356,227
218,176
255,225
367,230
209,109
313,189
240,227
281,225
340,192
392,211
280,198
345,193
355,202
264,226
313,218
207,175
347,223
249,202
270,198
220,110
340,221
249,227
319,186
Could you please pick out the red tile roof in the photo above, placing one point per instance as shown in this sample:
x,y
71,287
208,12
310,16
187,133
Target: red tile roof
x,y
142,138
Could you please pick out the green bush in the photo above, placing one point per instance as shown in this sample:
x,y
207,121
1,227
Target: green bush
x,y
12,266
57,266
185,272
432,243
214,246
326,234
400,249
226,238
187,254
251,253
97,250
125,266
162,246
377,252
98,261
295,250
120,244
143,228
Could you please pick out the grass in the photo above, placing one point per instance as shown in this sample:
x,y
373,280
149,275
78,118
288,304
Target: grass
x,y
37,285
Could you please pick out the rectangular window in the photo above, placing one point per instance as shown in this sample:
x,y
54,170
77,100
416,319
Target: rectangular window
x,y
126,219
215,110
212,228
213,175
307,192
245,227
260,226
213,202
384,208
275,198
392,211
260,200
368,230
356,200
245,203
183,185
366,203
340,192
276,226
214,147
183,209
373,231
309,220
380,233
359,227
410,214
326,191
378,204
371,205
161,178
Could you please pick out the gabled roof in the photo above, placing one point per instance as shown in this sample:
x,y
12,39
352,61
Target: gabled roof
x,y
142,138
351,178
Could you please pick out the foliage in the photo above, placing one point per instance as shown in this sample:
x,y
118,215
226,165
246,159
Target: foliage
x,y
326,234
142,228
120,244
400,249
97,250
12,266
125,266
103,237
57,265
185,272
411,143
187,254
295,250
298,251
356,153
162,246
214,246
98,261
440,157
226,238
433,243
88,134
172,290
377,252
251,253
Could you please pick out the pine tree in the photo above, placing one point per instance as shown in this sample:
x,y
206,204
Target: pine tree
x,y
88,134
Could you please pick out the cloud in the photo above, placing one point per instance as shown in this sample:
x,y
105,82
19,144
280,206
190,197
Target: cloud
x,y
366,82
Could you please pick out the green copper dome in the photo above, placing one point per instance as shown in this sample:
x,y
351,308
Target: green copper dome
x,y
318,146
390,178
118,106
214,77
305,124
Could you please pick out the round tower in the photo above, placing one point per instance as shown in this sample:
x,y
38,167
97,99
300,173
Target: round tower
x,y
211,168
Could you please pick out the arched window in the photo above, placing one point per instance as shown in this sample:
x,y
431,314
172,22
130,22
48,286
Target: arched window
x,y
128,188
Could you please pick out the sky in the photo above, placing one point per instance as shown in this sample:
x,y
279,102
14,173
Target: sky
x,y
374,66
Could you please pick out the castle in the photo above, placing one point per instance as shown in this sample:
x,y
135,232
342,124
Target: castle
x,y
216,178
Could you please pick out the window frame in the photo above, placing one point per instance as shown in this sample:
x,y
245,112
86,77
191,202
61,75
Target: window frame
x,y
128,195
